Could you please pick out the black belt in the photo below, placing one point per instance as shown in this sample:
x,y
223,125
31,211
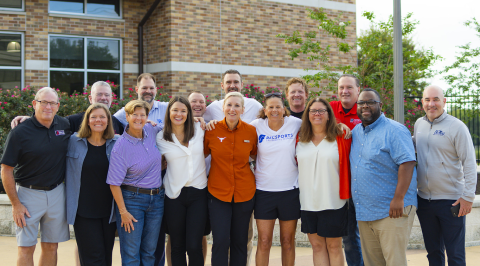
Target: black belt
x,y
153,191
40,188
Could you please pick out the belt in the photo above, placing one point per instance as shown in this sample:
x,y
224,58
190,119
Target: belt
x,y
40,188
153,191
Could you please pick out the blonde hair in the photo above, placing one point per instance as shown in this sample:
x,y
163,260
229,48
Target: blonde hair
x,y
132,105
85,131
296,81
234,94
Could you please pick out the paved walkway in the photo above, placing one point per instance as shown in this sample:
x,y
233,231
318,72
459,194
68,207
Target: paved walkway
x,y
8,253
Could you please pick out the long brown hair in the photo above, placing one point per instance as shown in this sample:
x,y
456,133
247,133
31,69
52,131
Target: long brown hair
x,y
306,132
189,127
85,131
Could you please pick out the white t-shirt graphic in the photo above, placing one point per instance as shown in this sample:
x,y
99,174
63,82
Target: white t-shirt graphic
x,y
276,168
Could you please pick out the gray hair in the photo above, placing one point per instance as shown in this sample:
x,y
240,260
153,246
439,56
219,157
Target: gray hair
x,y
99,84
43,90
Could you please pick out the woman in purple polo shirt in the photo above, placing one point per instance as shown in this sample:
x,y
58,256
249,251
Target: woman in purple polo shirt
x,y
134,178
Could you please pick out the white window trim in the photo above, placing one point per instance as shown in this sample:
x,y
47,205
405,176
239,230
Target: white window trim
x,y
85,14
17,9
22,57
85,70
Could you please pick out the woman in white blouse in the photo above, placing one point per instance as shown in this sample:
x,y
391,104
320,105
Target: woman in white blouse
x,y
324,181
181,142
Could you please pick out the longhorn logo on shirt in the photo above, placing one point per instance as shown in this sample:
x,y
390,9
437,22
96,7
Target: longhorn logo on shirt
x,y
221,139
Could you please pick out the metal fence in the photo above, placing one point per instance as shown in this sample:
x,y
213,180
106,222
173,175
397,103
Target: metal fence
x,y
463,108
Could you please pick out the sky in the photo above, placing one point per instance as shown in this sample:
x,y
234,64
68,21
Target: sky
x,y
440,29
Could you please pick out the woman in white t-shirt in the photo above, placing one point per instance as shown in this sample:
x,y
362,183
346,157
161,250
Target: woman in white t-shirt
x,y
324,180
181,142
276,177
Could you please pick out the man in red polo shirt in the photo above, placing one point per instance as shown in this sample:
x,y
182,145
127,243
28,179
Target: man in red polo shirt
x,y
346,109
345,112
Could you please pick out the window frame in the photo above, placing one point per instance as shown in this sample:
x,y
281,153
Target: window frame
x,y
85,69
85,14
17,9
22,58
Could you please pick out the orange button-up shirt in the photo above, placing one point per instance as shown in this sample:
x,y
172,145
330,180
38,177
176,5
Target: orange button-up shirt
x,y
230,175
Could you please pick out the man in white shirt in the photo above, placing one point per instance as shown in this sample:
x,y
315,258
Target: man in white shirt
x,y
232,81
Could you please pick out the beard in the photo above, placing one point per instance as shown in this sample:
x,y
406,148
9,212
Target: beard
x,y
374,115
142,97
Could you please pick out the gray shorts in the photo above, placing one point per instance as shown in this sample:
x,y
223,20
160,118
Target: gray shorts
x,y
46,208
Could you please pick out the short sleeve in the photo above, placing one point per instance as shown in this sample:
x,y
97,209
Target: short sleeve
x,y
401,148
254,122
12,150
117,171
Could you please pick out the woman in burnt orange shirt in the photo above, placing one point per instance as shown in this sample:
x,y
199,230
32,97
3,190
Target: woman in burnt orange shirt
x,y
231,183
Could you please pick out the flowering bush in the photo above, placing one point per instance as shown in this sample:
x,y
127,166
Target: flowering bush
x,y
15,102
259,94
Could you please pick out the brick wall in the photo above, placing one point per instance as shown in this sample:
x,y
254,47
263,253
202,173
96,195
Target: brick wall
x,y
240,32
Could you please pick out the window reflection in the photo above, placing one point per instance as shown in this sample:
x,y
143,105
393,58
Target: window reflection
x,y
109,8
67,6
103,54
67,81
10,50
66,52
10,79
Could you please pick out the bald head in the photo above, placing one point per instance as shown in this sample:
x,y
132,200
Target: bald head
x,y
433,90
433,101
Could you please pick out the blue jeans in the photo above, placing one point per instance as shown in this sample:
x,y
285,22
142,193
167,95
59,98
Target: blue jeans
x,y
351,242
442,231
138,246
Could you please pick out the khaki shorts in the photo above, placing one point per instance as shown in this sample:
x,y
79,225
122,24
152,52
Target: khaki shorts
x,y
46,208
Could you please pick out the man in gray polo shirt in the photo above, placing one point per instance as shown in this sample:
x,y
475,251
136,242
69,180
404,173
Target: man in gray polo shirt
x,y
34,160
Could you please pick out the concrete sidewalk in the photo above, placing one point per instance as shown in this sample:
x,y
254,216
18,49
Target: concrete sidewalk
x,y
8,254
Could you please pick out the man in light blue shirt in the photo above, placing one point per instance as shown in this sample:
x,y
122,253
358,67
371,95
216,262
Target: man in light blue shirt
x,y
146,90
384,183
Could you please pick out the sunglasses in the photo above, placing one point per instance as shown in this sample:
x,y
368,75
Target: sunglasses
x,y
273,94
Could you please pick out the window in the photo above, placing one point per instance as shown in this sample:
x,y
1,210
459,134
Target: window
x,y
11,60
77,61
15,5
104,8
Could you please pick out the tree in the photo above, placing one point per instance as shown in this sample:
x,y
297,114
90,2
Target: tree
x,y
374,66
464,74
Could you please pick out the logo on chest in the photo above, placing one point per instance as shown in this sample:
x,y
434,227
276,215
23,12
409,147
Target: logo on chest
x,y
59,132
439,132
221,139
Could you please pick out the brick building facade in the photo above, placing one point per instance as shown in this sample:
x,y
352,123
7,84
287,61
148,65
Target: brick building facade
x,y
187,43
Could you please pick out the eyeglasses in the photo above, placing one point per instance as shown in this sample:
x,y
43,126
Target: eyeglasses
x,y
273,94
317,111
107,95
369,103
45,103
